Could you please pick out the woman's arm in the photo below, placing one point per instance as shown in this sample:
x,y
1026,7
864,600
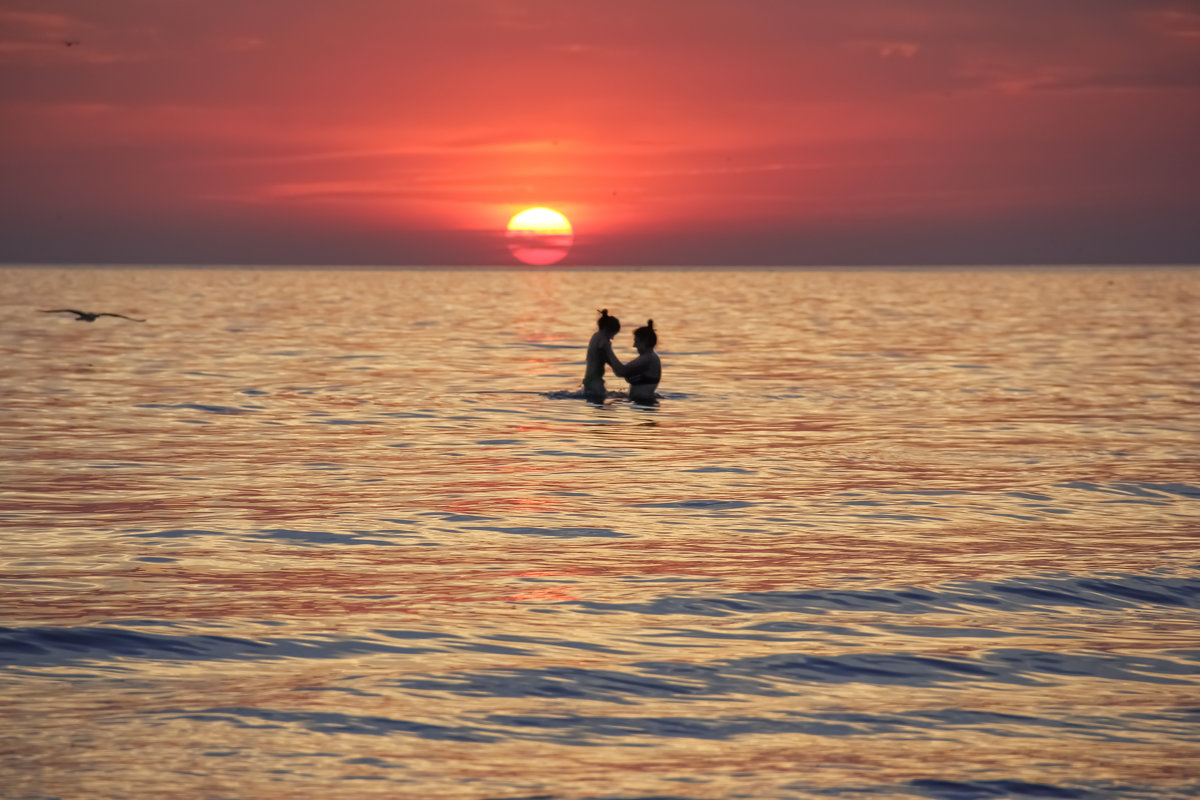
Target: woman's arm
x,y
634,367
612,359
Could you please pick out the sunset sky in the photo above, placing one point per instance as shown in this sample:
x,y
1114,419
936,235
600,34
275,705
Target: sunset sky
x,y
723,132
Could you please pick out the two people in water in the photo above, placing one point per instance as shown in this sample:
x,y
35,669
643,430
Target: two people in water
x,y
642,373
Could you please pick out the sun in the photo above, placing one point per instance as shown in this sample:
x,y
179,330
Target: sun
x,y
539,236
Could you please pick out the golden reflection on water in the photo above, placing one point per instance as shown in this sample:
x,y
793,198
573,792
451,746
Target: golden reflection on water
x,y
326,489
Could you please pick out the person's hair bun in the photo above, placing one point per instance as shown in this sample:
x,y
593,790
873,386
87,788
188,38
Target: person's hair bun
x,y
649,323
604,312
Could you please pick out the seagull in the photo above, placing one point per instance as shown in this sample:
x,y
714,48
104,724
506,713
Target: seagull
x,y
88,316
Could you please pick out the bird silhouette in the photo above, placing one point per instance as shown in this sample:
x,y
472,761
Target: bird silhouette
x,y
88,316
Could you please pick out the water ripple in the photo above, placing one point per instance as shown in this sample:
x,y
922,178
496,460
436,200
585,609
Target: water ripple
x,y
1116,592
63,646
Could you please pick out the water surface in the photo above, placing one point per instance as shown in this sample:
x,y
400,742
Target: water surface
x,y
330,533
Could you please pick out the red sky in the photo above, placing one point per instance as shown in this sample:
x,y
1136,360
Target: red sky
x,y
668,131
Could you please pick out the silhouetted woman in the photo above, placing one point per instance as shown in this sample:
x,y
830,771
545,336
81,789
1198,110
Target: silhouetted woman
x,y
599,353
644,372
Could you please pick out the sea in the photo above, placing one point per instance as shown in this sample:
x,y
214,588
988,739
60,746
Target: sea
x,y
346,533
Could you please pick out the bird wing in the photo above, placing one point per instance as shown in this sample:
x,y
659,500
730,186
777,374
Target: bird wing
x,y
57,310
105,313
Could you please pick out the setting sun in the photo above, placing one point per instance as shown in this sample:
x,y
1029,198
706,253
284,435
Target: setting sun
x,y
539,236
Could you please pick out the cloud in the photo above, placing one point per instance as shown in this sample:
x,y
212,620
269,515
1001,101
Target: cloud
x,y
894,49
1174,23
39,22
48,38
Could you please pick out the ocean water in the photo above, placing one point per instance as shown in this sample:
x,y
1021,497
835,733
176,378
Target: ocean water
x,y
332,533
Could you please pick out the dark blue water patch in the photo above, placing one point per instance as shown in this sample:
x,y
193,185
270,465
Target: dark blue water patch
x,y
984,790
1115,592
609,686
931,631
1182,669
779,674
1181,489
926,725
590,647
374,762
414,634
792,626
1148,490
44,647
713,728
557,533
1015,666
339,689
449,516
183,533
610,730
773,672
759,633
311,538
328,722
198,407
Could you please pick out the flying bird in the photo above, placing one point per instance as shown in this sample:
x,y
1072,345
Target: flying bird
x,y
88,316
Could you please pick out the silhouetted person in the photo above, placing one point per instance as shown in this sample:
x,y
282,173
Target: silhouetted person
x,y
88,316
644,372
599,353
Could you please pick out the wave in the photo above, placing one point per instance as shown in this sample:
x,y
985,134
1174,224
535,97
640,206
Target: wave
x,y
45,646
631,729
1114,592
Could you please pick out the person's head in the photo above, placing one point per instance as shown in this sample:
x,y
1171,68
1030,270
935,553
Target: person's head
x,y
645,336
609,326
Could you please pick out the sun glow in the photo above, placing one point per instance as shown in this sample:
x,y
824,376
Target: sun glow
x,y
539,236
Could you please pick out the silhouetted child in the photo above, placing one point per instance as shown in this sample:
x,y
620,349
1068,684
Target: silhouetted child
x,y
644,372
599,353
